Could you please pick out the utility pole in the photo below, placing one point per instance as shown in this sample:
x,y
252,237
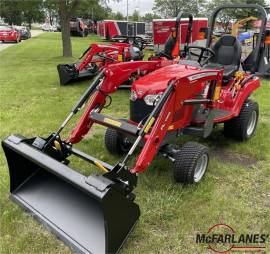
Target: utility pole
x,y
127,17
127,10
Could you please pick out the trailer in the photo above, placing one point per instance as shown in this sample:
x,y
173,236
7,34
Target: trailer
x,y
107,29
162,29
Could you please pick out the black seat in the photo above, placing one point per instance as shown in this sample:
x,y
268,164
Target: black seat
x,y
227,55
135,54
169,46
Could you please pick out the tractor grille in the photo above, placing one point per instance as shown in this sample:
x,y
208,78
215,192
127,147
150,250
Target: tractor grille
x,y
139,110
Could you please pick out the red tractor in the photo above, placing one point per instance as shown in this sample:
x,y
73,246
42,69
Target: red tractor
x,y
95,214
98,56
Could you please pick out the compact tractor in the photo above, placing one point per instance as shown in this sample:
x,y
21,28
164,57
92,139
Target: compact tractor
x,y
98,56
96,213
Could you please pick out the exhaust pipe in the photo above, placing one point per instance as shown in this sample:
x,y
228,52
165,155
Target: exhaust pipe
x,y
91,214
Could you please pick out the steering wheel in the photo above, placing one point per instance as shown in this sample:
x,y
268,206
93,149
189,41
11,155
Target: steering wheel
x,y
137,42
205,54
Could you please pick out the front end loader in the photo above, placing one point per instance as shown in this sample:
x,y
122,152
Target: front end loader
x,y
97,56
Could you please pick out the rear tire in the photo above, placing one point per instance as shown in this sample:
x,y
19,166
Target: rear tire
x,y
244,125
191,163
115,142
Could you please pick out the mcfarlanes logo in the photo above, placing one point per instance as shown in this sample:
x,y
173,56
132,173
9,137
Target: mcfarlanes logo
x,y
222,238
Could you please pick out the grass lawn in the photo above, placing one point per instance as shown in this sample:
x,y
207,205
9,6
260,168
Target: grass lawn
x,y
235,191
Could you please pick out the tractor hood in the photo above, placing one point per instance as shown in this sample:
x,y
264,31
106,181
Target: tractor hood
x,y
157,81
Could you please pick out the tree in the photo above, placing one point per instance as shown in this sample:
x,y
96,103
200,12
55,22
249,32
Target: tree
x,y
66,11
150,16
16,12
118,16
11,11
32,11
51,9
135,16
94,9
171,8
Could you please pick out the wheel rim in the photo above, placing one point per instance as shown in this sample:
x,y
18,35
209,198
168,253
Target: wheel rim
x,y
200,167
252,123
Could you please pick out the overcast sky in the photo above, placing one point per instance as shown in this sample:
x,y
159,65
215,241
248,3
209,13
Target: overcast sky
x,y
143,6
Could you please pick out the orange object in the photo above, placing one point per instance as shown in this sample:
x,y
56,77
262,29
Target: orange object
x,y
201,36
176,49
267,39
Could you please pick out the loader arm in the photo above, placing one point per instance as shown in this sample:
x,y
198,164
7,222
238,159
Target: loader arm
x,y
114,76
98,48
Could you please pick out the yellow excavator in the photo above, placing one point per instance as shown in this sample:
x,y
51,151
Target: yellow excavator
x,y
236,25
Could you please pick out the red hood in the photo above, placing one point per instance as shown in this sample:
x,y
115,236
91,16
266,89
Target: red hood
x,y
156,81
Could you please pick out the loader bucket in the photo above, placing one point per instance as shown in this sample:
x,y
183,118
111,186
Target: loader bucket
x,y
87,213
68,73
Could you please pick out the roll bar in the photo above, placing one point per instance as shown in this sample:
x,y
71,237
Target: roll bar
x,y
261,37
237,6
189,29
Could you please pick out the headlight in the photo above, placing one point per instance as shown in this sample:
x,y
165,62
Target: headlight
x,y
133,96
152,99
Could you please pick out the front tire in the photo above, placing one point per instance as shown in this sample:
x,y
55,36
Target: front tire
x,y
191,163
244,125
115,142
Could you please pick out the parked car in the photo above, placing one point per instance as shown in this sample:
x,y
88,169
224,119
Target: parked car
x,y
24,31
8,33
48,28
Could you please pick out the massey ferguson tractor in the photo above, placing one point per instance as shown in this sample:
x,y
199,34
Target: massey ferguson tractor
x,y
96,213
98,56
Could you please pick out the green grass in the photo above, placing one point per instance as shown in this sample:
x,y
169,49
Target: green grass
x,y
235,191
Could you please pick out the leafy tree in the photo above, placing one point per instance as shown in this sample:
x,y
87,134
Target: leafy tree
x,y
150,16
118,16
11,11
51,8
135,16
16,12
171,8
93,9
32,11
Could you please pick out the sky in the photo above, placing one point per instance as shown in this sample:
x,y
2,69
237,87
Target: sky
x,y
143,6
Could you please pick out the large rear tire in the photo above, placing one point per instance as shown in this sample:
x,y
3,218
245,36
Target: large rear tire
x,y
115,142
191,163
244,125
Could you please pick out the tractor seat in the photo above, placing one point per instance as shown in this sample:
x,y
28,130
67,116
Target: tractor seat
x,y
135,53
227,55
